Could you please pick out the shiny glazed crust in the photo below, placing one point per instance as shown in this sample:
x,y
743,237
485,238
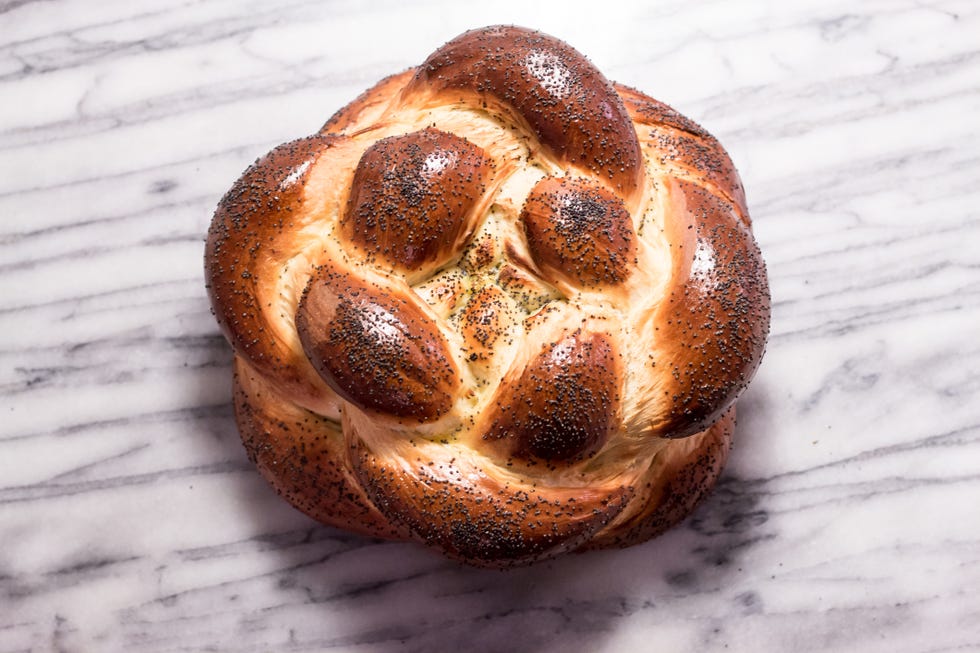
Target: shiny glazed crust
x,y
497,304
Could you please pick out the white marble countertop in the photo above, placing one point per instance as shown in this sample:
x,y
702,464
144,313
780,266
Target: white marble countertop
x,y
130,519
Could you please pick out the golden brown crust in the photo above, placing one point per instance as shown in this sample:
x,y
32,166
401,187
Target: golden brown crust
x,y
678,479
684,147
303,456
375,347
484,321
473,512
253,232
498,305
714,321
570,107
367,106
565,403
579,232
412,199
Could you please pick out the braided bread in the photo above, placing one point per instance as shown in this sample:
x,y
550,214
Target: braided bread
x,y
497,304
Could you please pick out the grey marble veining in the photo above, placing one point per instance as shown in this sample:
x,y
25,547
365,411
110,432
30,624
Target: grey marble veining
x,y
130,518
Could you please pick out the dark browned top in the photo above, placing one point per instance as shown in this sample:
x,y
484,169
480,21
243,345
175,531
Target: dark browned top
x,y
253,232
563,405
454,503
579,231
412,198
714,322
569,105
375,347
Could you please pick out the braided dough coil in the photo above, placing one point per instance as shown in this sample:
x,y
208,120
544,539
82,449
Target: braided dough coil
x,y
497,304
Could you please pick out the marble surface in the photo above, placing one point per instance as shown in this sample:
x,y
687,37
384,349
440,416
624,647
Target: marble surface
x,y
130,518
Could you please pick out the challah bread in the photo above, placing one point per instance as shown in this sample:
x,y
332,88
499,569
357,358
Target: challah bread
x,y
497,304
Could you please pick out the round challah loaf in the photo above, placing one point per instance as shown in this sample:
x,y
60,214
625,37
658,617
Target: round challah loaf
x,y
497,304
